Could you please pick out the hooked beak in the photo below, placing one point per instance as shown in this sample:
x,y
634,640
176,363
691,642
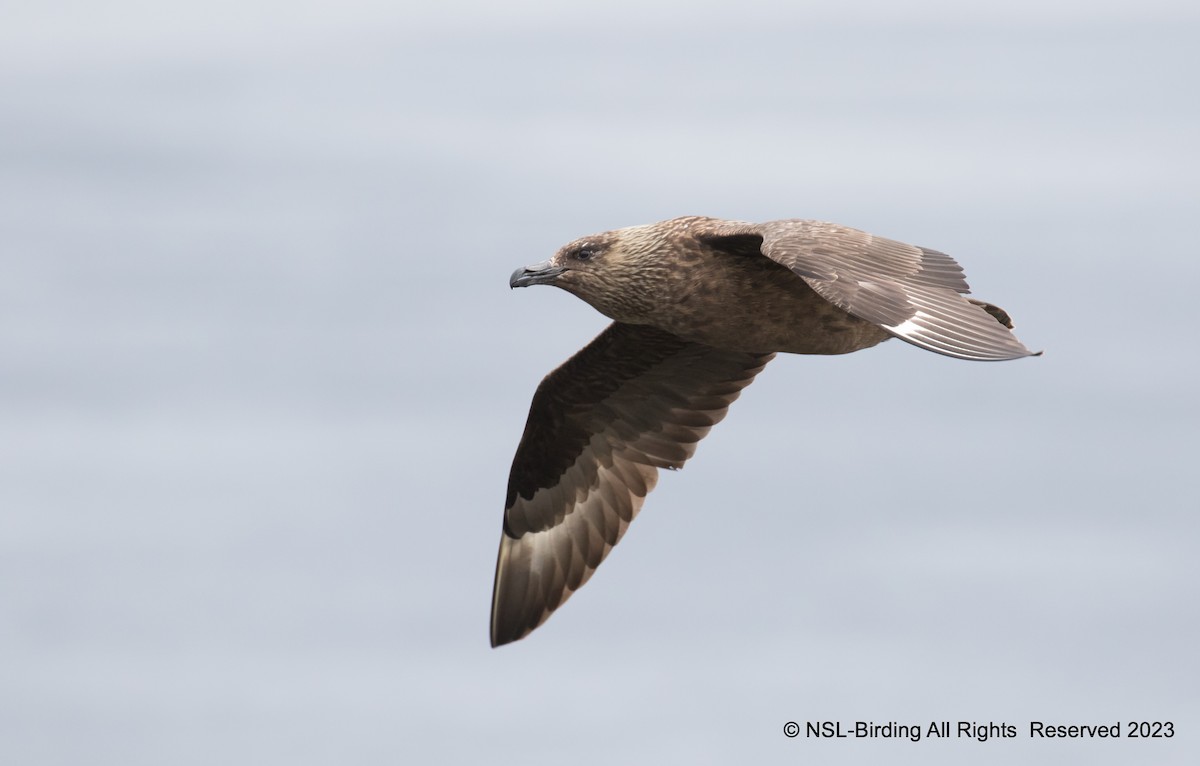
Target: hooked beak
x,y
543,273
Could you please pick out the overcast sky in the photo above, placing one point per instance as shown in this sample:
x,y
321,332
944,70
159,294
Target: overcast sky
x,y
261,379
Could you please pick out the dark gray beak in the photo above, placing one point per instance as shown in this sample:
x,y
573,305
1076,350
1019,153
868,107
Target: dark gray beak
x,y
538,274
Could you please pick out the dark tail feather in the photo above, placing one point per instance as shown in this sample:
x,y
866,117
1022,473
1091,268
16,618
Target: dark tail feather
x,y
1001,315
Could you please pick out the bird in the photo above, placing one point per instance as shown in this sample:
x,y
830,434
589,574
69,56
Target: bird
x,y
699,306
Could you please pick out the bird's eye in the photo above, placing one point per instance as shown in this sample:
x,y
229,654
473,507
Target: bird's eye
x,y
585,253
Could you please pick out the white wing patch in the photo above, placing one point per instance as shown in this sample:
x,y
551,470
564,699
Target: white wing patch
x,y
909,327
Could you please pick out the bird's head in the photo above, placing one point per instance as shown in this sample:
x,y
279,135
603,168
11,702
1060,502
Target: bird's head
x,y
624,274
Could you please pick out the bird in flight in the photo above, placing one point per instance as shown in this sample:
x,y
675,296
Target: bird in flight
x,y
700,305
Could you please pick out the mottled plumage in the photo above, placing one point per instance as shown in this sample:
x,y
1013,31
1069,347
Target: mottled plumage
x,y
700,306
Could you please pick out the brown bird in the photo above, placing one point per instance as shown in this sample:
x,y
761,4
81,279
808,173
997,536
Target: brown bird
x,y
700,306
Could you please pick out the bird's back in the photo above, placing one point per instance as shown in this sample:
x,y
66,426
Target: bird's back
x,y
743,301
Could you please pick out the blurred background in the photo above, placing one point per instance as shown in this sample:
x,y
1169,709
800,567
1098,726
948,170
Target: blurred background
x,y
261,380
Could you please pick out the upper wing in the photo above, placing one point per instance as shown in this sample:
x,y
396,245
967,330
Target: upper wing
x,y
912,292
632,401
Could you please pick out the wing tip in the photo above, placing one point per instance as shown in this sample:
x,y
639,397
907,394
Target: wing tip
x,y
504,621
506,624
498,641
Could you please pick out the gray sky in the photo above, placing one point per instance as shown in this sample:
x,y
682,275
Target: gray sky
x,y
261,379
